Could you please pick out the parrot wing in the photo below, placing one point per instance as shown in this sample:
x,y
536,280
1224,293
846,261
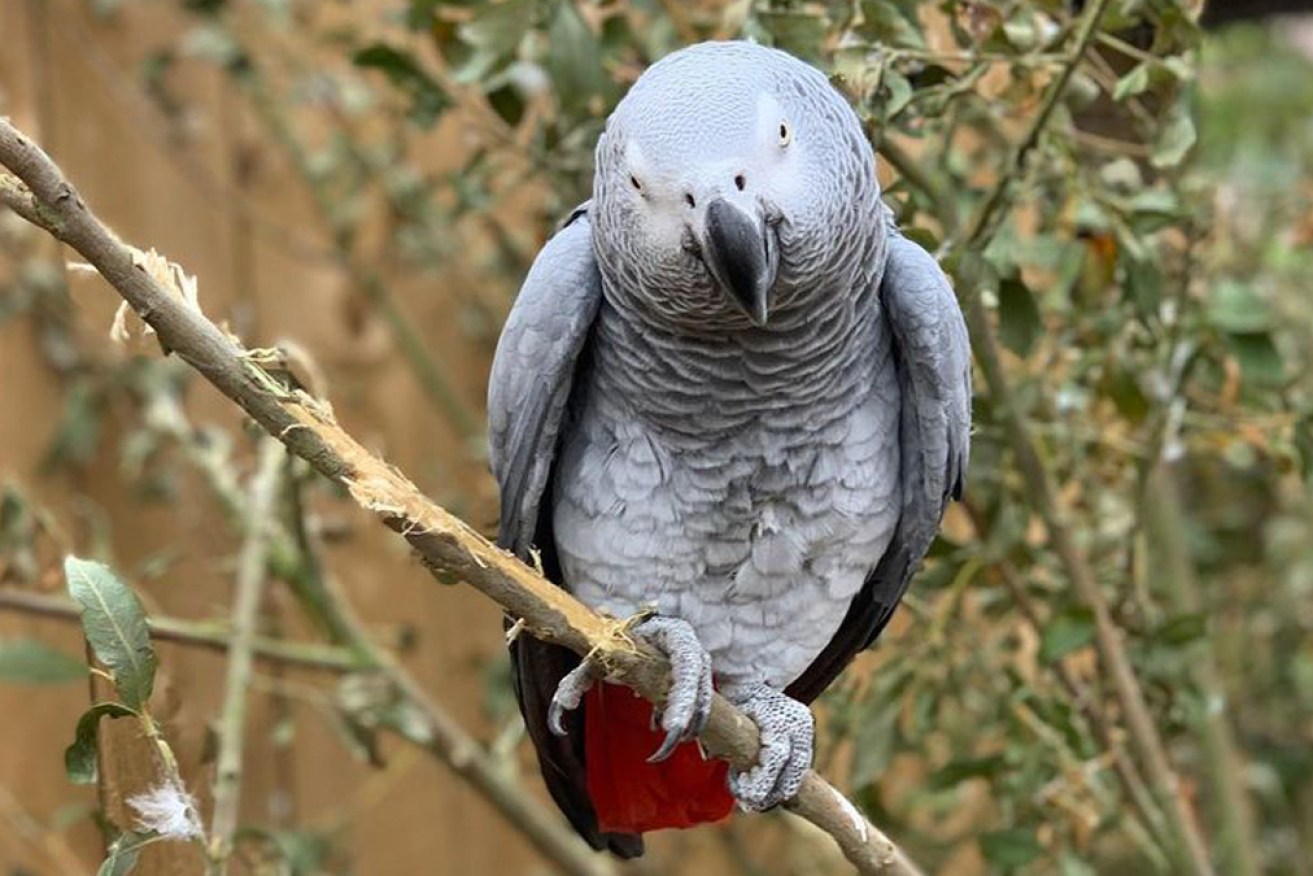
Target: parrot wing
x,y
933,356
533,370
541,349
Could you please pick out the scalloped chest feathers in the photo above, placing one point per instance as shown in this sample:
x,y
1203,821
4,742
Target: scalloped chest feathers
x,y
744,482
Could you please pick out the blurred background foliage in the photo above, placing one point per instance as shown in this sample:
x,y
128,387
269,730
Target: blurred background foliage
x,y
1147,281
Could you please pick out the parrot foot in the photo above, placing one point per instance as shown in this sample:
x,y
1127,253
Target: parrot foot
x,y
688,702
568,694
788,735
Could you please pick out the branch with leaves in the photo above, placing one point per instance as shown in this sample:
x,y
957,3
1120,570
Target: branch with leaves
x,y
38,192
1189,847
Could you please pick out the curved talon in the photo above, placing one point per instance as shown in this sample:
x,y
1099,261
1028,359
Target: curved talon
x,y
688,702
668,746
568,694
788,735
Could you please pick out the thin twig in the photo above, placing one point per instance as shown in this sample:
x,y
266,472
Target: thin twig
x,y
445,543
1189,849
308,655
55,846
296,555
251,575
991,211
1112,650
148,122
1090,707
368,281
1237,845
912,172
442,735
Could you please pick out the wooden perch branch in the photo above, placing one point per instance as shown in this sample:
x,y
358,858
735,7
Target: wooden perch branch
x,y
306,426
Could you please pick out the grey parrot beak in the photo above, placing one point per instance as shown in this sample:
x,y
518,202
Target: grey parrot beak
x,y
743,256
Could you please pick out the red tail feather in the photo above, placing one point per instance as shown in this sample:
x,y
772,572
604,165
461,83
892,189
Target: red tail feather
x,y
632,795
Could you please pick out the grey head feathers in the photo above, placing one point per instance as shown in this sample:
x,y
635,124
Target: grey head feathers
x,y
743,133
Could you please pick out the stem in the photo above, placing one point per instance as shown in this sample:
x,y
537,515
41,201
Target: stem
x,y
195,633
991,211
443,737
1162,519
1152,751
445,543
367,281
1190,851
912,172
246,616
25,826
1128,774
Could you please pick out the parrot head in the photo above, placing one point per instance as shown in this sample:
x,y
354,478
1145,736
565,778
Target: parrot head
x,y
732,181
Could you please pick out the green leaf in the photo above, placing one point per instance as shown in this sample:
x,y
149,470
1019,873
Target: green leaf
x,y
1019,321
30,661
1177,138
1154,209
1132,83
115,625
799,32
1234,307
489,41
123,853
899,93
1120,384
1010,848
574,62
1260,360
420,14
958,771
922,237
80,757
1182,629
1070,865
873,747
1065,633
1144,285
428,100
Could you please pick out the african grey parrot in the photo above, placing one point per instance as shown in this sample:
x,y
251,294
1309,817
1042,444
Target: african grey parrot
x,y
732,394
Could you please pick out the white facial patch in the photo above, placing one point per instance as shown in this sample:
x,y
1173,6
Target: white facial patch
x,y
770,115
782,156
637,162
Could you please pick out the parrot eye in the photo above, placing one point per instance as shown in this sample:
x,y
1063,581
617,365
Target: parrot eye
x,y
633,181
786,134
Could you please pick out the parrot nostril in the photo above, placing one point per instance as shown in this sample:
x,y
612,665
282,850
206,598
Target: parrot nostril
x,y
688,199
740,182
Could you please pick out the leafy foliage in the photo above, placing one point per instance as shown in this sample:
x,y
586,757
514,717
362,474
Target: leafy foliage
x,y
1147,285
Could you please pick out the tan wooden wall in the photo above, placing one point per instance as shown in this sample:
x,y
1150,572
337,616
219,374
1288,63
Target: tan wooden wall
x,y
66,79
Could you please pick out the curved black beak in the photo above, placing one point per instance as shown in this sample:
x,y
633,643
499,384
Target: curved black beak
x,y
742,254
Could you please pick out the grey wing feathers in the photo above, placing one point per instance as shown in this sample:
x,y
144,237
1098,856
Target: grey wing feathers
x,y
934,360
933,357
533,371
541,349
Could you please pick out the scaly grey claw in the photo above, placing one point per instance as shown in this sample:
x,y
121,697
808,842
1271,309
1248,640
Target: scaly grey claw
x,y
673,738
568,694
688,702
788,735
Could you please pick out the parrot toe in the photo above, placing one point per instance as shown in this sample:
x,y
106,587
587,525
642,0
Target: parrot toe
x,y
688,703
788,735
568,694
